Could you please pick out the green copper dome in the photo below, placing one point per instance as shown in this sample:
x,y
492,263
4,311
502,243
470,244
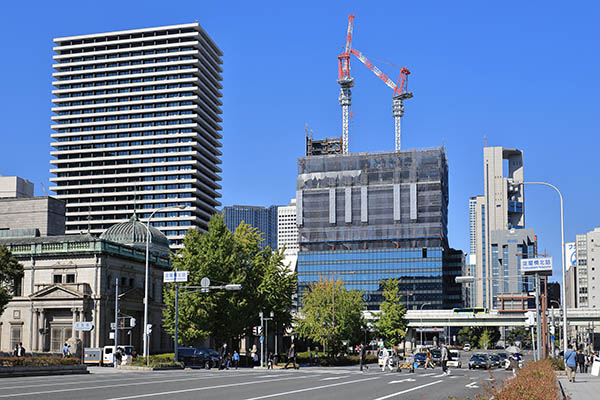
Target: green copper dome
x,y
133,233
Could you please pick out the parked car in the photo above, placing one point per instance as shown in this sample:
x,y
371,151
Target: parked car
x,y
210,358
479,360
454,360
436,356
466,347
495,361
193,357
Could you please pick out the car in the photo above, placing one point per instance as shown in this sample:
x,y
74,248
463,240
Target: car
x,y
193,357
495,361
466,347
436,356
479,360
420,358
454,360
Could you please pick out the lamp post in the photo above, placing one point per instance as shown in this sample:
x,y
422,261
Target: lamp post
x,y
146,344
422,305
563,260
263,344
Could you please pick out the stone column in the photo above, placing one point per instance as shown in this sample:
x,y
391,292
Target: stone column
x,y
43,325
36,330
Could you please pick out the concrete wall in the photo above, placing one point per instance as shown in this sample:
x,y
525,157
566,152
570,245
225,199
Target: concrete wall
x,y
47,214
13,186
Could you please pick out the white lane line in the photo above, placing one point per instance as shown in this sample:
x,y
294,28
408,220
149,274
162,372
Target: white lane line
x,y
137,396
439,376
408,390
111,386
454,377
472,385
402,380
429,374
307,389
331,378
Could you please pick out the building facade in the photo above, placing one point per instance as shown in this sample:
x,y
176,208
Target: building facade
x,y
72,278
587,271
33,216
287,230
366,217
137,126
15,187
262,218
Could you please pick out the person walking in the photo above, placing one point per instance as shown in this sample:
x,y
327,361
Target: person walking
x,y
444,359
270,361
571,363
428,362
581,361
223,357
236,359
65,351
291,357
19,350
362,356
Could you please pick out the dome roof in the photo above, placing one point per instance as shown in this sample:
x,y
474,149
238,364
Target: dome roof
x,y
133,233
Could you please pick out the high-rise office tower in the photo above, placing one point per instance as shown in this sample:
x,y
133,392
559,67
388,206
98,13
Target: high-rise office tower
x,y
262,218
136,126
586,289
287,230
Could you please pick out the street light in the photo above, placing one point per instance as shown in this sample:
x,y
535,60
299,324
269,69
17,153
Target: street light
x,y
146,347
563,260
422,305
265,327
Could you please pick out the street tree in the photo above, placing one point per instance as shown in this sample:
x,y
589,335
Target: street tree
x,y
11,273
228,258
391,324
472,335
331,314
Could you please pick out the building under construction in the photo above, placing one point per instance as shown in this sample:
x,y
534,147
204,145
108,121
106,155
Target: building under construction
x,y
366,217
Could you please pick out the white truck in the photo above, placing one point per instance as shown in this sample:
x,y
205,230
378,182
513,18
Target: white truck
x,y
103,356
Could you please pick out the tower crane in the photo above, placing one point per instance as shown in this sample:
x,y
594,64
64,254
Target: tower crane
x,y
400,93
346,82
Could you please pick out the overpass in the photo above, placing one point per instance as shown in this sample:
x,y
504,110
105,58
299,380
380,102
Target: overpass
x,y
442,318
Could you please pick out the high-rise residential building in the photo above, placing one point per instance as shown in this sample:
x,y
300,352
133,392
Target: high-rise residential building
x,y
136,127
586,288
287,230
497,216
368,217
262,218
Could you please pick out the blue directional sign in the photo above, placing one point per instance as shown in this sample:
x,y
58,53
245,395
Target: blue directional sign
x,y
175,276
536,265
262,339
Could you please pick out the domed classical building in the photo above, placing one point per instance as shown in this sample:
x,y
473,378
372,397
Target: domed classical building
x,y
71,278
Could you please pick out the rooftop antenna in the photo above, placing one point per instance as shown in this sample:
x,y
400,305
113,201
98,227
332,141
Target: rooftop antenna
x,y
44,188
484,141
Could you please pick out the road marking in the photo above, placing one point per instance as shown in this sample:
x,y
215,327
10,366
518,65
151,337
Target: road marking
x,y
402,380
429,374
114,385
472,385
440,375
307,389
137,396
335,377
454,377
408,390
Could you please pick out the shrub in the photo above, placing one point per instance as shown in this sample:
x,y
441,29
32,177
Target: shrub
x,y
44,361
157,361
558,364
536,380
336,361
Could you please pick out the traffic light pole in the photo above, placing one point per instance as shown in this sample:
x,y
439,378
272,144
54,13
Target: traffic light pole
x,y
176,316
116,321
262,342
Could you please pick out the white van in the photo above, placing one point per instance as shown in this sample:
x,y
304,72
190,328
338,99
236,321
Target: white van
x,y
454,359
382,354
108,354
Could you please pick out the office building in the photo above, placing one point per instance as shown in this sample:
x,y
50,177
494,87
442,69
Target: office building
x,y
262,218
136,125
586,291
367,217
34,216
287,230
15,187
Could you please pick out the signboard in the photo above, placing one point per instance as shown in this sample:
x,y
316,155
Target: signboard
x,y
571,254
434,329
536,266
175,276
83,325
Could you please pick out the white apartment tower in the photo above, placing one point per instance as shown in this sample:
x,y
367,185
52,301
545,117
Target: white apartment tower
x,y
287,230
588,270
136,128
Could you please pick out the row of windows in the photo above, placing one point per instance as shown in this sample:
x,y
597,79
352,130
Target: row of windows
x,y
125,117
127,126
126,189
124,152
124,63
126,108
125,81
125,54
126,90
125,99
399,254
124,171
136,179
124,72
124,135
105,163
108,39
110,217
123,144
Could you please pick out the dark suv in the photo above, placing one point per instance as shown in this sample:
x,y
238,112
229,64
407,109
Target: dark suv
x,y
193,357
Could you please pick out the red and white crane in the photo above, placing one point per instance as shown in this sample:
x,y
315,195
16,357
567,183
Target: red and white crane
x,y
346,82
400,93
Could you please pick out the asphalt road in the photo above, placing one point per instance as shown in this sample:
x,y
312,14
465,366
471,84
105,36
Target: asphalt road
x,y
248,384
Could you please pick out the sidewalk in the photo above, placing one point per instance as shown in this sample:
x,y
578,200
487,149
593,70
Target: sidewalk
x,y
585,387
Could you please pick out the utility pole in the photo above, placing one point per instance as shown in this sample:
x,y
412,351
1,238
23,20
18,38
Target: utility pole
x,y
538,317
176,347
116,321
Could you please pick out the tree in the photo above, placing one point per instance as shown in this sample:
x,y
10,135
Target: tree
x,y
484,339
519,334
473,335
224,258
11,273
331,314
391,324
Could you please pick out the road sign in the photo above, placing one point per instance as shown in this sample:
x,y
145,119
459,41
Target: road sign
x,y
205,282
175,276
83,326
541,266
262,339
553,338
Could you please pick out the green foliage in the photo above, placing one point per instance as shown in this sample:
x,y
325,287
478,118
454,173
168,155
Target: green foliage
x,y
226,258
165,360
484,339
521,334
49,361
330,314
473,335
10,272
391,324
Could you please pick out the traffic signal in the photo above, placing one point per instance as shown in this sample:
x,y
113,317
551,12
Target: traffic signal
x,y
132,322
257,330
148,329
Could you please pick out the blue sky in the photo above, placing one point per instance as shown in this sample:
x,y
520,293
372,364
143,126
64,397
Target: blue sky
x,y
523,74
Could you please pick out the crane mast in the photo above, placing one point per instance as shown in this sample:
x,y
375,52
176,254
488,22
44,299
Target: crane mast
x,y
346,82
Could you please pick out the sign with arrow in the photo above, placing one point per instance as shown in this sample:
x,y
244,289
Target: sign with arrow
x,y
472,385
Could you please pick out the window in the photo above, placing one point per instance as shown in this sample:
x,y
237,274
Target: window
x,y
70,278
57,278
15,335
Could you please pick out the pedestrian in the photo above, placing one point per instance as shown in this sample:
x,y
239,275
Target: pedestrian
x,y
236,359
444,359
291,357
118,356
581,361
270,361
514,364
19,350
428,357
317,357
571,363
65,351
223,357
362,355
